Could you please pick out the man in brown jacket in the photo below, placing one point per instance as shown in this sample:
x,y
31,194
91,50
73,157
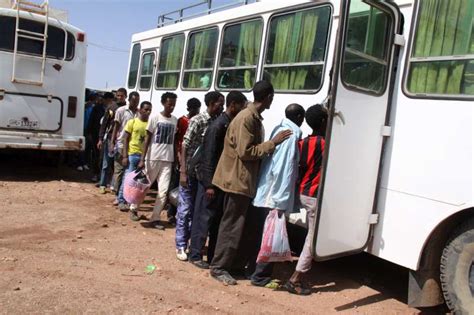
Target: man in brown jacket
x,y
237,175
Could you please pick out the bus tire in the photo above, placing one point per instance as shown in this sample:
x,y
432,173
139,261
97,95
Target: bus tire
x,y
457,269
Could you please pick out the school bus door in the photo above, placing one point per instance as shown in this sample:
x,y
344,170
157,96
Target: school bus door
x,y
358,110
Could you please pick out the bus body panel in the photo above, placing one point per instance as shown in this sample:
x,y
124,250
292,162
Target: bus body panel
x,y
65,86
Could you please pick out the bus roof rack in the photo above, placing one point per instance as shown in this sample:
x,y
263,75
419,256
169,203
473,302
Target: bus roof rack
x,y
177,16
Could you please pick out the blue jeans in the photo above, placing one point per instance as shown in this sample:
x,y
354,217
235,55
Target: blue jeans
x,y
133,161
185,212
107,164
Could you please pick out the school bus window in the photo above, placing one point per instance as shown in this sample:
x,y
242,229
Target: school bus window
x,y
365,52
442,57
239,55
134,61
296,49
146,72
200,55
54,44
169,65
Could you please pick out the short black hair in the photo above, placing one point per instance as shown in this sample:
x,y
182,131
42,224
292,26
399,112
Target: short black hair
x,y
132,94
123,90
261,90
193,103
108,95
236,97
212,96
315,116
168,95
294,111
142,104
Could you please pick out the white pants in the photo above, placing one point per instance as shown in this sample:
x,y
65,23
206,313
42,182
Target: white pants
x,y
161,172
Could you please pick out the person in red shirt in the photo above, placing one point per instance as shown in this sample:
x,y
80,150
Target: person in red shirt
x,y
311,158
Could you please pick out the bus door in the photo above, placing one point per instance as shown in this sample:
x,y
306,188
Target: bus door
x,y
358,110
145,78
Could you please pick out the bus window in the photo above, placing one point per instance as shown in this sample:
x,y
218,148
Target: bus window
x,y
365,54
200,56
55,42
239,55
442,55
134,61
146,72
296,50
169,65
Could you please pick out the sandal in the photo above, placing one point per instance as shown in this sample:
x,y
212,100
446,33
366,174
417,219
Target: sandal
x,y
273,284
296,288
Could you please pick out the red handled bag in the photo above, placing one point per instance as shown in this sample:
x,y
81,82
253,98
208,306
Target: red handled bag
x,y
275,246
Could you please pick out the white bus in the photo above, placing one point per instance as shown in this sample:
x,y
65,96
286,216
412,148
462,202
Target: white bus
x,y
398,168
42,78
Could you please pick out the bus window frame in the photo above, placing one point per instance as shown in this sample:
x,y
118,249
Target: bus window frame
x,y
390,41
183,64
408,61
181,68
143,53
130,64
70,35
326,50
221,42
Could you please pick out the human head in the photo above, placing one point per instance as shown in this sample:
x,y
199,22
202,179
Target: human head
x,y
133,100
108,98
295,113
214,102
193,106
168,100
121,95
145,110
317,117
235,102
92,97
263,93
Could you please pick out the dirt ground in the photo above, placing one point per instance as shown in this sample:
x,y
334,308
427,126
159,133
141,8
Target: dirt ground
x,y
65,249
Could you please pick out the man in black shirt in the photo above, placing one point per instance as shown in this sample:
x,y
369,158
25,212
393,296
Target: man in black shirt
x,y
208,204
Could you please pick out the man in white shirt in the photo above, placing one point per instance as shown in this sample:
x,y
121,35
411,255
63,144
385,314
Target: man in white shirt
x,y
158,153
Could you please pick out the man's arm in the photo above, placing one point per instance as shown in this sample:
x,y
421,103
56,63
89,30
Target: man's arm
x,y
103,127
114,132
214,136
146,146
245,148
188,137
126,141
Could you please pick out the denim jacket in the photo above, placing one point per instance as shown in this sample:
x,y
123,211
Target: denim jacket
x,y
276,187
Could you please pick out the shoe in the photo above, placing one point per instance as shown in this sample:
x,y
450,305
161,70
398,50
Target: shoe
x,y
223,276
86,167
123,207
200,264
158,226
181,254
102,190
80,168
115,202
134,216
296,288
97,185
172,221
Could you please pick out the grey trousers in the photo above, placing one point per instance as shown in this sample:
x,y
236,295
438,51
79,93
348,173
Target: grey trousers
x,y
305,259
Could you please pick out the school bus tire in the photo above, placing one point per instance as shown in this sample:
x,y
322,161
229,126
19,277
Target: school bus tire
x,y
457,269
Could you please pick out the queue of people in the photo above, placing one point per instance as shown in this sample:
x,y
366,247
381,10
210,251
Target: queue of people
x,y
229,177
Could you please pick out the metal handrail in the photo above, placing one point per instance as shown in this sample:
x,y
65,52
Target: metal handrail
x,y
166,19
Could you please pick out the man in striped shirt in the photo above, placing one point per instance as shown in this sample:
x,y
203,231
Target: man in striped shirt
x,y
311,157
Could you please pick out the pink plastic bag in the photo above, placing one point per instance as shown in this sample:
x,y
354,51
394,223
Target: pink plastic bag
x,y
135,186
275,246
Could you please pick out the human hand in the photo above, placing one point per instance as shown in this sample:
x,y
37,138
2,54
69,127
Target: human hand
x,y
210,194
183,179
281,136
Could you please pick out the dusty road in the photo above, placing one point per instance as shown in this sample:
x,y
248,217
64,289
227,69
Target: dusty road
x,y
65,249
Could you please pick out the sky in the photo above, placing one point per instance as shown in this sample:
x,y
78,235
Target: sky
x,y
109,25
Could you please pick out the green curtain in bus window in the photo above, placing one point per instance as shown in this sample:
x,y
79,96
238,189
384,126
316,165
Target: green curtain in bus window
x,y
170,60
202,58
445,28
248,49
294,42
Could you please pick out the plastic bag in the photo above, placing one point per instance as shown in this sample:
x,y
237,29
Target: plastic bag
x,y
135,187
275,246
173,196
